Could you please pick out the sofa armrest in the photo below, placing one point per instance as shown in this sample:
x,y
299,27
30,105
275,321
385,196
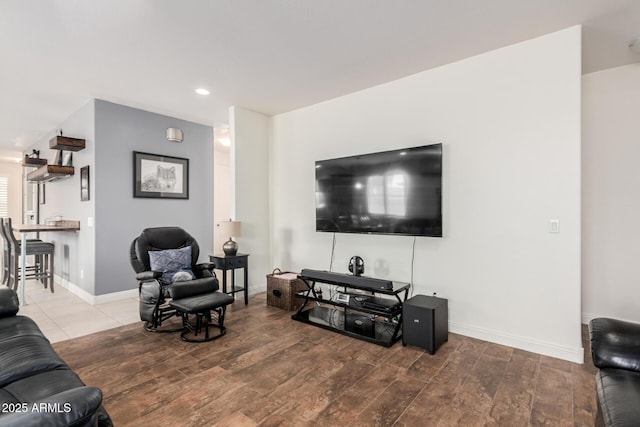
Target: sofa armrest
x,y
204,270
615,344
76,407
9,304
205,266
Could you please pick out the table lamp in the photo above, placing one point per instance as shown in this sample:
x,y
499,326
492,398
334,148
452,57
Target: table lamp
x,y
230,229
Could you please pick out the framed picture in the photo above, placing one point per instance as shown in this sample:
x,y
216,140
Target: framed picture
x,y
84,183
158,176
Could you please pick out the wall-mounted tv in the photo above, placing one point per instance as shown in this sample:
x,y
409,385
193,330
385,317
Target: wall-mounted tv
x,y
391,192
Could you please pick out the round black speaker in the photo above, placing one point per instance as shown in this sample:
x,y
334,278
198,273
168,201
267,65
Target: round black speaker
x,y
356,265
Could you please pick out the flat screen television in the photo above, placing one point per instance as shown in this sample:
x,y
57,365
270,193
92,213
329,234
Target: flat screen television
x,y
391,192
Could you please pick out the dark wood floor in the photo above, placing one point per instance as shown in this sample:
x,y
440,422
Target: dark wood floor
x,y
270,370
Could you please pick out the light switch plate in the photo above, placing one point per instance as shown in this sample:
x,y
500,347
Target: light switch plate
x,y
90,221
554,225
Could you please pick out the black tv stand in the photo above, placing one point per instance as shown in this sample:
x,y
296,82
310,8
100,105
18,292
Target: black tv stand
x,y
378,322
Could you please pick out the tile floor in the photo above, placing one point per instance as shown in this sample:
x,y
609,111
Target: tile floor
x,y
62,315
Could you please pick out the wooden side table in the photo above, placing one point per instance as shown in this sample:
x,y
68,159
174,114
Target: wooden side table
x,y
232,262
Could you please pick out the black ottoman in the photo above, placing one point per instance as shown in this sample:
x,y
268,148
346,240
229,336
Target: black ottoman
x,y
201,306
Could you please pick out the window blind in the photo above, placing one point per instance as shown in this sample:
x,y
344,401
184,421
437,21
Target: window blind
x,y
4,196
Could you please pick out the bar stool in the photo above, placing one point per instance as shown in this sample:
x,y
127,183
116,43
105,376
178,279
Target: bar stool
x,y
6,255
43,251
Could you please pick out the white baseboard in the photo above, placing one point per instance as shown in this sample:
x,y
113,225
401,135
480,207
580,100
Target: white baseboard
x,y
95,299
548,349
116,296
588,317
541,347
256,289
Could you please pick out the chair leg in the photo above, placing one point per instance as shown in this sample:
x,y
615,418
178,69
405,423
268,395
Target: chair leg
x,y
42,266
4,266
15,269
41,269
50,257
9,261
203,321
5,269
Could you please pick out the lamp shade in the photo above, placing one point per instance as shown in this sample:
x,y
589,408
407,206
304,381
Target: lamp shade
x,y
230,228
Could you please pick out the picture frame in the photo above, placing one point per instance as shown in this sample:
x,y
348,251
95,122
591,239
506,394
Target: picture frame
x,y
160,177
84,184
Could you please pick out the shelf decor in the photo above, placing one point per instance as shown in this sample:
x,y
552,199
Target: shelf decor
x,y
62,166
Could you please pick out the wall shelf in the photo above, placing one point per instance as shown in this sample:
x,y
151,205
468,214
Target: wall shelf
x,y
28,162
50,173
67,144
47,172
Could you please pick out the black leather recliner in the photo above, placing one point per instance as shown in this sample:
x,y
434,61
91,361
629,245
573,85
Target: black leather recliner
x,y
154,295
37,387
615,348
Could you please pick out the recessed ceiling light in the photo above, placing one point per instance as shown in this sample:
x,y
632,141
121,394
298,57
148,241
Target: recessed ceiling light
x,y
202,91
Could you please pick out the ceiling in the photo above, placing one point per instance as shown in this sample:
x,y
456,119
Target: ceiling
x,y
269,56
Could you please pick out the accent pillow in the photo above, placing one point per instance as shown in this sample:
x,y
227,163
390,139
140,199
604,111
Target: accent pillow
x,y
171,261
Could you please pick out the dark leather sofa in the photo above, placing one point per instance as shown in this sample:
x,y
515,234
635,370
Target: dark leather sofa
x,y
615,348
37,388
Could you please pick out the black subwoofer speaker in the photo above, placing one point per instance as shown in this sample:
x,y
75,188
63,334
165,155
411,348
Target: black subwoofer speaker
x,y
425,322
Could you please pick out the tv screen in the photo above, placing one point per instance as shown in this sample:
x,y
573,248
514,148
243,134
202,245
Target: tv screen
x,y
392,192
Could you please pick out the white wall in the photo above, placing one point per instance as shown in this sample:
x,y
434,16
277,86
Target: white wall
x,y
12,170
510,124
221,191
75,251
250,176
611,202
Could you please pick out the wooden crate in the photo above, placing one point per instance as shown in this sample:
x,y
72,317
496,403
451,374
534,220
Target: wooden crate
x,y
282,288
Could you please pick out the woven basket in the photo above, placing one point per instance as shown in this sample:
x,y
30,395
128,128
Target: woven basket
x,y
282,288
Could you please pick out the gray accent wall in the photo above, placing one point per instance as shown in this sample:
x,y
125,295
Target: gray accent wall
x,y
119,217
96,259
